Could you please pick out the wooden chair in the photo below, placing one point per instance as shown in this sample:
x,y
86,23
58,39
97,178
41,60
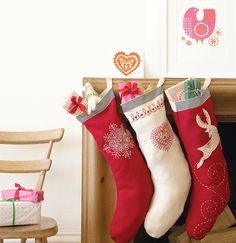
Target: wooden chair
x,y
48,226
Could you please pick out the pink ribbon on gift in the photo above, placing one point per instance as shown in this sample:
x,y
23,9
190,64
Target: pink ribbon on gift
x,y
75,104
20,188
129,89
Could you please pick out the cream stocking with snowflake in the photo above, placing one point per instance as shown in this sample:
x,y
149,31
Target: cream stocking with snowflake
x,y
165,159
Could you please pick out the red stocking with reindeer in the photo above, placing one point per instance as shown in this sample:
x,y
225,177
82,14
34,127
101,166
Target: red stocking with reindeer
x,y
197,126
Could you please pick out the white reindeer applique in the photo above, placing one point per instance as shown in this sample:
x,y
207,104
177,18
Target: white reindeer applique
x,y
212,144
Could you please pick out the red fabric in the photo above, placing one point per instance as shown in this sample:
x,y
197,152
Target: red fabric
x,y
132,177
210,193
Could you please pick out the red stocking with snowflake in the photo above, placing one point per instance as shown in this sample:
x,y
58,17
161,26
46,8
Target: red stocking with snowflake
x,y
132,177
197,126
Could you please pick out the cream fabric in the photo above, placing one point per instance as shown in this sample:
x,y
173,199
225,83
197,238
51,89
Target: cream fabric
x,y
166,161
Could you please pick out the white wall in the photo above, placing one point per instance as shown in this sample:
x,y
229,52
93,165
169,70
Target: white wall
x,y
46,48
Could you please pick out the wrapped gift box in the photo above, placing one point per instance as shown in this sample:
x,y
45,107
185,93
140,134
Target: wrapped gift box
x,y
22,194
75,104
19,213
129,91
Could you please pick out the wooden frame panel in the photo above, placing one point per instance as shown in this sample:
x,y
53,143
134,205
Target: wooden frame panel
x,y
98,189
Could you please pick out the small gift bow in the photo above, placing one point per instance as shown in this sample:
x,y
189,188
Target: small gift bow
x,y
75,104
129,89
20,188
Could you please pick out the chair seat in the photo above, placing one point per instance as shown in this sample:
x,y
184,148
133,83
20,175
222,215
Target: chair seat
x,y
46,228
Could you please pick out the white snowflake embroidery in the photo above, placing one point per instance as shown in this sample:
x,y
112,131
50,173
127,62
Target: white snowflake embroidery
x,y
118,141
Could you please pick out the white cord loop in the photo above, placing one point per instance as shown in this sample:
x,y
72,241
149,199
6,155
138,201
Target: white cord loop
x,y
207,82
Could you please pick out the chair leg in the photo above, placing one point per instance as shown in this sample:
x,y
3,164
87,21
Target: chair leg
x,y
23,240
44,240
38,240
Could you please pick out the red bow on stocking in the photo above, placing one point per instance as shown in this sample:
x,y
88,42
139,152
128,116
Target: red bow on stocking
x,y
75,104
129,89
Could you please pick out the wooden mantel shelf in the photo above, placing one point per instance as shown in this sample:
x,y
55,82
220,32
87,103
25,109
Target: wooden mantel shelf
x,y
223,92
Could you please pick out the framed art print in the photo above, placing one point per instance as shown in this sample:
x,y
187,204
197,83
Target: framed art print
x,y
199,38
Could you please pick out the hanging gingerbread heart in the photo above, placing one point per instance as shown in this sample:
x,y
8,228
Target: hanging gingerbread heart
x,y
126,63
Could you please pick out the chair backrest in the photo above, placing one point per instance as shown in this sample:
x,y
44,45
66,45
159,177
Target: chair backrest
x,y
30,166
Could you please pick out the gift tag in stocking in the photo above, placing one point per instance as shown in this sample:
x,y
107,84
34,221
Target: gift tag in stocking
x,y
132,177
197,127
165,159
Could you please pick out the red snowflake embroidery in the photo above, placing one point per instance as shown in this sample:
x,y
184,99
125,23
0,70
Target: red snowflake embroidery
x,y
162,136
213,41
147,110
180,95
218,32
118,141
188,42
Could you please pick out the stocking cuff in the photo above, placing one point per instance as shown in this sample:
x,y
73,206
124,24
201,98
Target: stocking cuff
x,y
101,106
140,100
193,102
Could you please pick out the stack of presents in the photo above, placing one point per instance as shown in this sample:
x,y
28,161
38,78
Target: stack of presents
x,y
20,206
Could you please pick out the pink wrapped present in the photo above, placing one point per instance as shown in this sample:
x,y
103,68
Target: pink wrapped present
x,y
128,91
22,194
